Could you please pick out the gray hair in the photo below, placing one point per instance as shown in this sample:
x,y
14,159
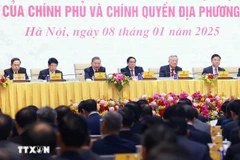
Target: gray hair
x,y
172,56
113,121
47,114
95,58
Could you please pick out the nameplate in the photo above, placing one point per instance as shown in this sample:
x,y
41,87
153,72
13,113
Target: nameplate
x,y
18,77
99,75
223,74
55,76
148,75
127,157
183,74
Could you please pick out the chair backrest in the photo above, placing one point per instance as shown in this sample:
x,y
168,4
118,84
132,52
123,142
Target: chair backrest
x,y
1,72
79,70
155,71
233,71
197,72
34,73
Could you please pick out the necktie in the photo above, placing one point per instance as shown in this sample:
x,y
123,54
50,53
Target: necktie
x,y
172,72
216,71
132,73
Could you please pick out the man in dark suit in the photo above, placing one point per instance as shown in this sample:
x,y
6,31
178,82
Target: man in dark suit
x,y
15,69
96,67
52,68
235,111
238,75
131,69
233,150
73,131
127,122
6,127
89,109
24,118
197,150
111,142
214,68
171,69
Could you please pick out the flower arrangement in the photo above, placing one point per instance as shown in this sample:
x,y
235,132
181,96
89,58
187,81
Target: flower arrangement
x,y
207,105
209,78
74,107
4,81
119,80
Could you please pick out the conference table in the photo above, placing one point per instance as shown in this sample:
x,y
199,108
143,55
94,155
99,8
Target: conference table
x,y
19,95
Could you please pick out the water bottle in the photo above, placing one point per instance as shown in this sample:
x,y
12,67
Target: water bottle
x,y
47,78
139,76
175,76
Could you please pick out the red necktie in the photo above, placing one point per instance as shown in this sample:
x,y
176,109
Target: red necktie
x,y
132,73
216,71
172,72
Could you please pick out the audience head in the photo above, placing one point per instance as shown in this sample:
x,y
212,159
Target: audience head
x,y
142,102
173,61
191,115
185,101
47,114
111,123
25,117
40,134
52,64
127,117
179,125
174,111
73,131
146,111
88,106
33,108
156,135
131,62
166,151
229,116
135,107
215,59
235,108
96,63
6,125
15,64
224,107
61,112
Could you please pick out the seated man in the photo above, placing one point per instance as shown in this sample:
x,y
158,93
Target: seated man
x,y
111,142
52,68
171,69
15,69
89,109
214,68
96,67
131,69
238,75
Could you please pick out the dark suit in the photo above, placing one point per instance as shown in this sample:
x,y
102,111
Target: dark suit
x,y
228,128
18,139
112,144
232,152
9,72
89,154
196,150
43,74
137,127
128,73
70,155
165,71
127,134
234,137
93,121
210,70
220,120
238,72
89,73
12,148
199,136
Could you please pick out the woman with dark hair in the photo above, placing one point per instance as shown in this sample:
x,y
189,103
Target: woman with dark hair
x,y
228,116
